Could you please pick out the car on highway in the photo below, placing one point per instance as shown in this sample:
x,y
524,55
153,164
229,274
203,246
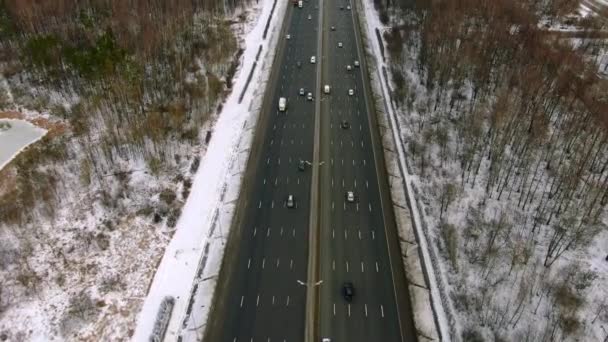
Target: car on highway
x,y
290,201
288,37
309,96
299,64
356,63
333,28
301,165
340,44
351,92
348,291
309,17
326,339
313,60
349,68
348,7
345,124
350,196
302,93
326,89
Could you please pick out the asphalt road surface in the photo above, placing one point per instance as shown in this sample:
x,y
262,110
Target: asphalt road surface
x,y
264,300
356,237
261,292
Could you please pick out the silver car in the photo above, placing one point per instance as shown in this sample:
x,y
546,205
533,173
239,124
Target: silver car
x,y
350,196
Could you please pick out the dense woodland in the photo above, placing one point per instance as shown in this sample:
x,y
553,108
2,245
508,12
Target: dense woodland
x,y
128,84
506,125
128,87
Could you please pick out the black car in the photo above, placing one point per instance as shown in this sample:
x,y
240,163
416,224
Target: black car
x,y
345,125
348,291
299,64
301,165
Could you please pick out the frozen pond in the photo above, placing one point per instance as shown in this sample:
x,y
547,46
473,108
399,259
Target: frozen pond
x,y
15,135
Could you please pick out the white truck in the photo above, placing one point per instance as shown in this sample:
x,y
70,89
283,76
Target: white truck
x,y
282,104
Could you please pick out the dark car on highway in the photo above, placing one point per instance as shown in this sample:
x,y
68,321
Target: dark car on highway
x,y
348,291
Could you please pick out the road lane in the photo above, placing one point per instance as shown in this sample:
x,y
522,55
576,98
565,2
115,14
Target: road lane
x,y
260,298
373,314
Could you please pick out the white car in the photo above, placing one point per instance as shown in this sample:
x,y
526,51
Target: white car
x,y
309,97
340,44
309,17
333,28
326,339
290,201
349,68
288,37
313,60
302,92
351,92
348,7
326,89
356,64
350,196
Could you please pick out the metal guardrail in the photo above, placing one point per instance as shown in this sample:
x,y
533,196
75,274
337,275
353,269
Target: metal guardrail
x,y
269,18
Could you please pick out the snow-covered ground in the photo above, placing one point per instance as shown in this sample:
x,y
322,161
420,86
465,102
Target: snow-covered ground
x,y
191,261
16,135
589,7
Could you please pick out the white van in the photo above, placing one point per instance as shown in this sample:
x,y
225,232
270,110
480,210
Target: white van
x,y
300,4
326,89
282,104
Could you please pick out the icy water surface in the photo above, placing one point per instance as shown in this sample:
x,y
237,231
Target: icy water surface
x,y
15,135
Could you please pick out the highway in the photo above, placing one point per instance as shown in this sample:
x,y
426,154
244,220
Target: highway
x,y
358,240
260,297
261,293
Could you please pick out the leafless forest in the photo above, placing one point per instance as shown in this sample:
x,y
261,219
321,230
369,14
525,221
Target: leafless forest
x,y
129,90
506,123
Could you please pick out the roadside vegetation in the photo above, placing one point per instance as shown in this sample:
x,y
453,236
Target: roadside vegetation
x,y
90,207
505,115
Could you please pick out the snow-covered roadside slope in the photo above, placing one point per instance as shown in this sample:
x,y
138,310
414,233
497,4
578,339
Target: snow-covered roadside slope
x,y
191,259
